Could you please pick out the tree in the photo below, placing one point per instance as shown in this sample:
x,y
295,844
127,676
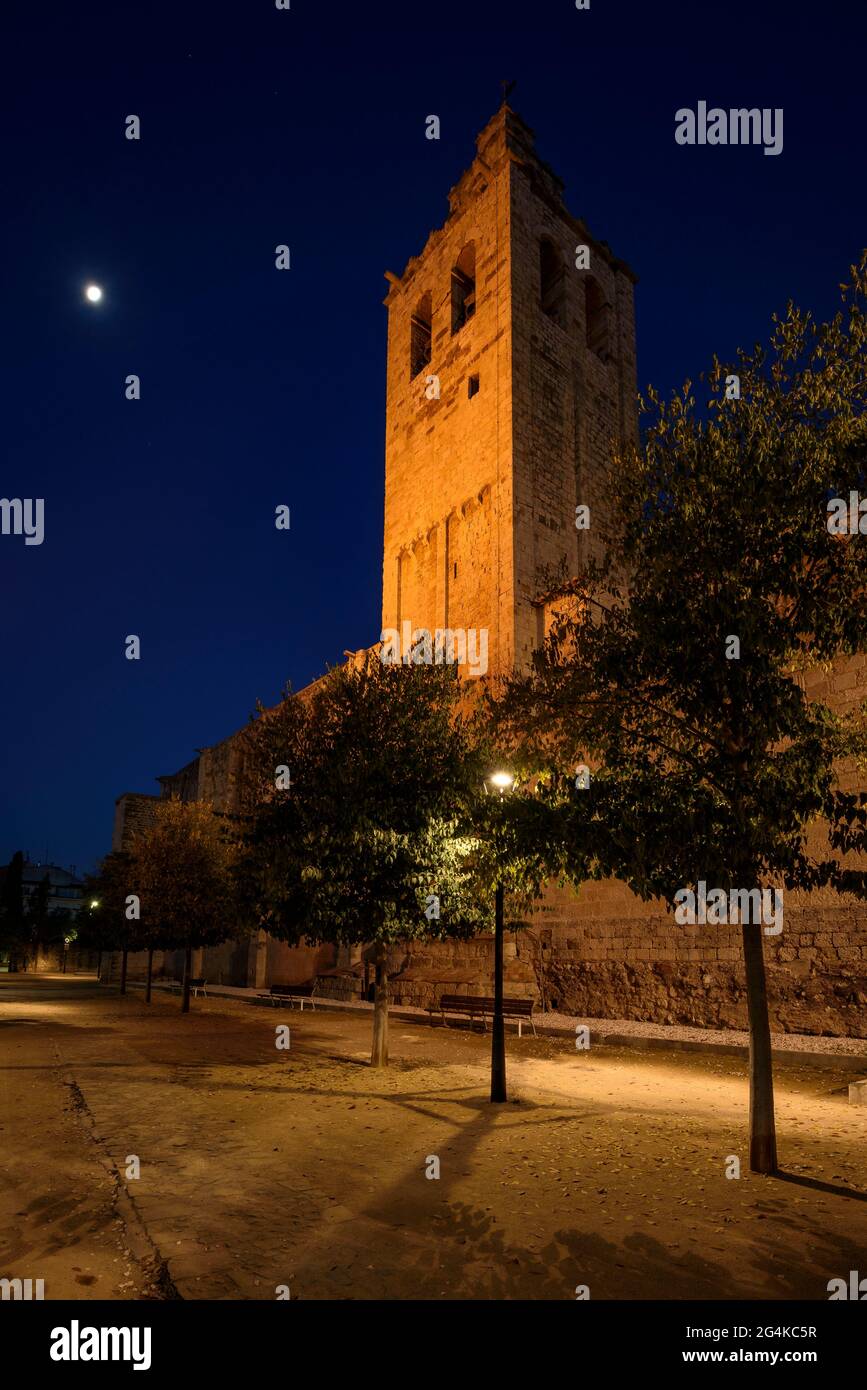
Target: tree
x,y
360,805
92,926
13,926
182,871
676,663
39,919
104,922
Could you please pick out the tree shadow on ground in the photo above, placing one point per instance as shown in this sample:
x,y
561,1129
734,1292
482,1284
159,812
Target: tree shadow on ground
x,y
431,1242
53,1026
819,1186
463,1251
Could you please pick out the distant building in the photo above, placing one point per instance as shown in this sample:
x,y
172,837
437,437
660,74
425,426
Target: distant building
x,y
49,945
65,889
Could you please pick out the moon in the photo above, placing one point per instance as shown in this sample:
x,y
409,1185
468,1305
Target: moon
x,y
93,293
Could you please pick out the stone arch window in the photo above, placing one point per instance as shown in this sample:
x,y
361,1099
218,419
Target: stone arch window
x,y
464,287
552,278
597,319
420,336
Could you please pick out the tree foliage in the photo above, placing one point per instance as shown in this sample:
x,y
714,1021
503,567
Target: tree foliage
x,y
376,817
182,870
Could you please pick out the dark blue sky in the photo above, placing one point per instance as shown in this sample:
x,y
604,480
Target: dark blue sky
x,y
307,127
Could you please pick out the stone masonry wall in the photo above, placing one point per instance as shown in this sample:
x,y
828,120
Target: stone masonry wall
x,y
607,955
132,811
571,401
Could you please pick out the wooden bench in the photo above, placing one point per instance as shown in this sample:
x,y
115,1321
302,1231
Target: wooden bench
x,y
481,1006
278,993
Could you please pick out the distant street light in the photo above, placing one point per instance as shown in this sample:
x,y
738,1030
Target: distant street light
x,y
500,782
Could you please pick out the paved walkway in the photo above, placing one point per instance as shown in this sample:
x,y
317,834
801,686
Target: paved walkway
x,y
262,1167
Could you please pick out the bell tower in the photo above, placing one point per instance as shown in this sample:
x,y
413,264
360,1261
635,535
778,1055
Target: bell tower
x,y
511,367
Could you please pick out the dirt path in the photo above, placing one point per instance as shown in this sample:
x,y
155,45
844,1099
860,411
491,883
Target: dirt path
x,y
305,1168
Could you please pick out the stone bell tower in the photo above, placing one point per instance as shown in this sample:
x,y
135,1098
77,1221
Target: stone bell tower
x,y
511,367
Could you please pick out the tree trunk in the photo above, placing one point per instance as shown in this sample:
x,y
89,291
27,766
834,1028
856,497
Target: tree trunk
x,y
188,970
379,1055
123,970
498,1031
763,1137
543,985
98,966
150,974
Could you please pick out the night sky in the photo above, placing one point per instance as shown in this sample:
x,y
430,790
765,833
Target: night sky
x,y
259,387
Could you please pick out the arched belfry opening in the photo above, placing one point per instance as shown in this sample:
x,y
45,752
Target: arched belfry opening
x,y
464,287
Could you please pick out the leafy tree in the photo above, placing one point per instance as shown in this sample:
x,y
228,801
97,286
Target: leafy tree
x,y
103,921
182,869
362,812
711,762
13,925
41,930
92,925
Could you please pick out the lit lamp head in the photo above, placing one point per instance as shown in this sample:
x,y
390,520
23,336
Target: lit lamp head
x,y
95,903
500,782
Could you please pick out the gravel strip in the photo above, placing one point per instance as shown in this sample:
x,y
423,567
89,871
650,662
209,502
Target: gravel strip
x,y
627,1027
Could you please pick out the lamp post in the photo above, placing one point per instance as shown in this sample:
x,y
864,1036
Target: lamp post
x,y
501,783
93,905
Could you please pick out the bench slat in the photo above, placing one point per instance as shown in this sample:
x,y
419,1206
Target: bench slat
x,y
477,1003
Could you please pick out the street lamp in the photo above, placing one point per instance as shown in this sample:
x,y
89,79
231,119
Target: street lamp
x,y
500,783
94,902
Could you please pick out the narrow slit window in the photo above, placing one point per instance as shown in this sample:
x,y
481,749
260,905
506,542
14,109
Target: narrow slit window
x,y
597,319
473,387
552,275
